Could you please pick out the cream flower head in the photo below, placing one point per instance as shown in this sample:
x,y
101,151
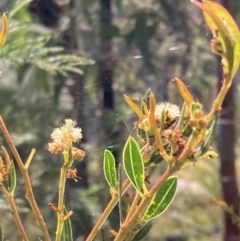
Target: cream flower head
x,y
170,109
165,112
64,136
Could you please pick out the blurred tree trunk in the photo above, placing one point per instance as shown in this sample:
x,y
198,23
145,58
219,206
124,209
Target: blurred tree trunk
x,y
77,88
226,145
106,64
47,11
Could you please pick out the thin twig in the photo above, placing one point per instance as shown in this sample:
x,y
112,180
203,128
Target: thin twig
x,y
27,182
106,212
128,225
14,210
62,183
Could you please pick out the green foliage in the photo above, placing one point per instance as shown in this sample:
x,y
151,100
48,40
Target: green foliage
x,y
109,168
17,6
67,228
12,179
30,43
142,233
27,49
161,138
227,36
133,165
230,28
162,199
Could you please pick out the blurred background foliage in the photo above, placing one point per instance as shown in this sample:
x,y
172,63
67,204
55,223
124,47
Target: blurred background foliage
x,y
141,44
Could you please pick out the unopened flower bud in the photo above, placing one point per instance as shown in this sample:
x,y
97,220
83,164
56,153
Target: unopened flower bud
x,y
198,114
192,122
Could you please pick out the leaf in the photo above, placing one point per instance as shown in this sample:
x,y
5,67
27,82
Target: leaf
x,y
12,180
162,199
133,165
231,25
4,30
17,6
155,158
67,228
221,34
187,130
143,232
134,107
186,95
109,168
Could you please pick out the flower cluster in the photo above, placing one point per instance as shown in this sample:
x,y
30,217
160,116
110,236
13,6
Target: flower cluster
x,y
64,136
165,113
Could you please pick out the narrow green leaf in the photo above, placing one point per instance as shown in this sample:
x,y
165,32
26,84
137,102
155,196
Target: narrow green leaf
x,y
109,169
67,228
133,165
12,179
162,199
187,131
143,232
156,158
17,6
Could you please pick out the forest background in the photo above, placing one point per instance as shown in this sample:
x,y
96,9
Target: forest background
x,y
123,47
